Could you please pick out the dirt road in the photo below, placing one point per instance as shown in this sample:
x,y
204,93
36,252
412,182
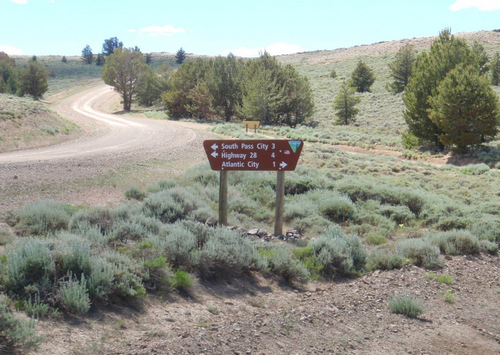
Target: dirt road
x,y
115,152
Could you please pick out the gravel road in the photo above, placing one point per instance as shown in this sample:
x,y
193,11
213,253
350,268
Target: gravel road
x,y
116,151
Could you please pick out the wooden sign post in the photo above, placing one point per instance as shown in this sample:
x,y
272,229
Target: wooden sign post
x,y
259,155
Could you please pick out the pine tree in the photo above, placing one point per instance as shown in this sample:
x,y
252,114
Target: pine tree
x,y
87,55
33,80
466,109
401,69
429,70
345,104
495,70
362,77
180,56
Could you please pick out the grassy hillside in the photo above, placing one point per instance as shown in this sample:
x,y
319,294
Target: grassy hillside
x,y
380,121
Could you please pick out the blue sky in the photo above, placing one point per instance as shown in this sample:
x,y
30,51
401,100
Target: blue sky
x,y
243,27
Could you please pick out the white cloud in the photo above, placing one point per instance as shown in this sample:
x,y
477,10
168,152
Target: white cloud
x,y
11,50
19,1
158,31
273,49
483,5
132,30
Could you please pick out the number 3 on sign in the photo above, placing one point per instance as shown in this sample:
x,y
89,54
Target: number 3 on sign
x,y
253,155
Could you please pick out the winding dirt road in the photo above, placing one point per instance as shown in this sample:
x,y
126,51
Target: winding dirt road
x,y
116,152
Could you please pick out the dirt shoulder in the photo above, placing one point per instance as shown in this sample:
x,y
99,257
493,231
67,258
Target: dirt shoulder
x,y
256,315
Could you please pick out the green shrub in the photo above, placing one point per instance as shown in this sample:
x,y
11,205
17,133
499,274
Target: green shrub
x,y
337,252
43,217
99,217
443,278
282,263
475,169
161,185
338,209
29,262
399,214
456,242
380,259
422,252
74,295
101,281
170,205
410,141
133,193
406,305
35,308
14,331
489,247
181,280
74,253
227,253
180,246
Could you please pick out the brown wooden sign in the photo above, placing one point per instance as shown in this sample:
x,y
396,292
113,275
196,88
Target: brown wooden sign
x,y
258,155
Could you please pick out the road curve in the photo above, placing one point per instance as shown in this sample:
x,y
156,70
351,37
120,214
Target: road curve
x,y
115,152
108,133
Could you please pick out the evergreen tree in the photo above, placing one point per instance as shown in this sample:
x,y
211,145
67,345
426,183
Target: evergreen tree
x,y
362,77
33,80
465,108
178,99
345,104
298,102
123,70
225,85
429,70
110,45
262,91
8,74
180,56
100,60
148,89
87,55
401,69
495,70
64,60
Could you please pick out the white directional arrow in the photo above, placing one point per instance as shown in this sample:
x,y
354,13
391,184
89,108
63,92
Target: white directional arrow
x,y
214,146
215,154
283,165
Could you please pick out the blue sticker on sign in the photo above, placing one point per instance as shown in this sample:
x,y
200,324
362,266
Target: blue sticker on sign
x,y
294,145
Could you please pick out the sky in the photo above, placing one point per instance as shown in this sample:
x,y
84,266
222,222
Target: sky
x,y
242,27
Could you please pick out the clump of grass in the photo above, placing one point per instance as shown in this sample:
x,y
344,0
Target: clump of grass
x,y
448,296
406,305
213,310
443,278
